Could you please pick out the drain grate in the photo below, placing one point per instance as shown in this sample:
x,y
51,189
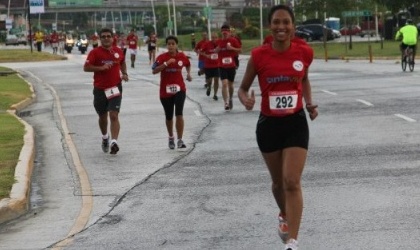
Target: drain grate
x,y
24,114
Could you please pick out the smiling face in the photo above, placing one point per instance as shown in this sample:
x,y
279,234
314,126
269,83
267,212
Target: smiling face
x,y
282,26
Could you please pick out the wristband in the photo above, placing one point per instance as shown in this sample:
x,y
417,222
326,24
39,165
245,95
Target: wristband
x,y
165,64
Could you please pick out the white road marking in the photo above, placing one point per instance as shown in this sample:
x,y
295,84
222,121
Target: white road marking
x,y
405,117
365,102
329,92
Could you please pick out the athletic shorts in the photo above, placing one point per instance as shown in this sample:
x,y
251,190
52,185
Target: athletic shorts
x,y
212,72
227,73
103,104
132,51
150,48
277,133
176,101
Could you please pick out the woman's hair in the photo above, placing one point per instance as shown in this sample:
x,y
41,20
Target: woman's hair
x,y
281,7
171,38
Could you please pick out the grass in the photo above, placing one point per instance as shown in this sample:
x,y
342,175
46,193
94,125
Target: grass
x,y
13,89
25,55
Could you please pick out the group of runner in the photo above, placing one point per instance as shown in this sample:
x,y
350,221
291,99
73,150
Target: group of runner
x,y
281,66
218,59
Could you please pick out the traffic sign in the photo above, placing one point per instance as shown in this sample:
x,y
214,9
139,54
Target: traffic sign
x,y
356,13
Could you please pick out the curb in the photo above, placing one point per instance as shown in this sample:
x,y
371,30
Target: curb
x,y
18,203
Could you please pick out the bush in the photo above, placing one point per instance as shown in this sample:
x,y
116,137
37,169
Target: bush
x,y
250,32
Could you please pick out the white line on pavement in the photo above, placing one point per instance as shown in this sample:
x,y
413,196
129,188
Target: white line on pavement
x,y
329,92
365,102
405,118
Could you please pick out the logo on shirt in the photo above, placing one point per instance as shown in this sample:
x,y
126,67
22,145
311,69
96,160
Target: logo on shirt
x,y
180,63
298,65
116,55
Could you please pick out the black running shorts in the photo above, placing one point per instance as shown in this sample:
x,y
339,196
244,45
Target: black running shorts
x,y
211,72
176,101
277,133
227,73
102,104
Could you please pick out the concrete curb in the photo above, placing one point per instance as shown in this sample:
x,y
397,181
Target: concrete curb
x,y
18,203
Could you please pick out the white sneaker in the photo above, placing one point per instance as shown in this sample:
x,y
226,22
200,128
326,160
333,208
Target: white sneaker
x,y
291,244
283,229
181,143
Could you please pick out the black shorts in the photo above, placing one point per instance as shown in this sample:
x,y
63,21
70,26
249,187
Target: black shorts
x,y
151,48
176,101
103,104
277,133
227,73
211,72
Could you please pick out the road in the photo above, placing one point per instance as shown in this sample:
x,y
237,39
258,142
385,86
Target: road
x,y
361,188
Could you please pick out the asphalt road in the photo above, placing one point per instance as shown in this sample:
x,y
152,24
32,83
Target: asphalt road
x,y
361,188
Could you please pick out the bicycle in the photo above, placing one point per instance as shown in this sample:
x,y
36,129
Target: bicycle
x,y
407,57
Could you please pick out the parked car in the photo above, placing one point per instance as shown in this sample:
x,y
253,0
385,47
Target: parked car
x,y
336,33
318,31
353,30
22,39
11,40
304,34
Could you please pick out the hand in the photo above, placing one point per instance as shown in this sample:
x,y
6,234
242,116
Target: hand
x,y
249,101
125,77
312,110
172,60
106,66
189,78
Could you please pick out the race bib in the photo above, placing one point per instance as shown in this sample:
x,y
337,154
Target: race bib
x,y
172,88
214,56
153,44
132,42
285,100
227,60
112,92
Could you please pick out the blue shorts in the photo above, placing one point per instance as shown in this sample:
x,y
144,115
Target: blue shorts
x,y
201,65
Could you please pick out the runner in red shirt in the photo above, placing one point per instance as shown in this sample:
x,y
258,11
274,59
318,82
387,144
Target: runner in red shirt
x,y
132,41
211,64
107,61
172,87
95,40
197,50
282,129
228,48
54,41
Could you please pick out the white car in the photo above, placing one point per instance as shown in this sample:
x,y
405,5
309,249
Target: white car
x,y
336,33
11,40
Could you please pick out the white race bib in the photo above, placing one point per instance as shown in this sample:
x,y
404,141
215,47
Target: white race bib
x,y
112,92
214,56
285,100
227,60
172,88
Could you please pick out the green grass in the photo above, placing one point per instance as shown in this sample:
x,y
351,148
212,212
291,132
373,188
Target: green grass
x,y
13,89
25,55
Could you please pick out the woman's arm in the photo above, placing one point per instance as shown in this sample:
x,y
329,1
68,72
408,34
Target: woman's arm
x,y
247,80
307,95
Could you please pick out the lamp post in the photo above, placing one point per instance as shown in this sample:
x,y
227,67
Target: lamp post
x,y
169,17
175,29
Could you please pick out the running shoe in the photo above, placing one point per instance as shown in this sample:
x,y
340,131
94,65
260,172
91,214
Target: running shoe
x,y
181,144
171,143
230,104
105,145
227,107
132,64
292,244
215,98
283,229
208,90
114,148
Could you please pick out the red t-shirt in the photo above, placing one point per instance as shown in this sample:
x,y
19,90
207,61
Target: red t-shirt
x,y
54,38
100,56
209,49
199,47
280,77
171,80
115,39
132,41
226,57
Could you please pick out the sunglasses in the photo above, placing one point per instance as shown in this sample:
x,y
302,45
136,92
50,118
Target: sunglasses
x,y
106,36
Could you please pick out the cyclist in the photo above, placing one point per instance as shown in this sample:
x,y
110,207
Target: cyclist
x,y
408,36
